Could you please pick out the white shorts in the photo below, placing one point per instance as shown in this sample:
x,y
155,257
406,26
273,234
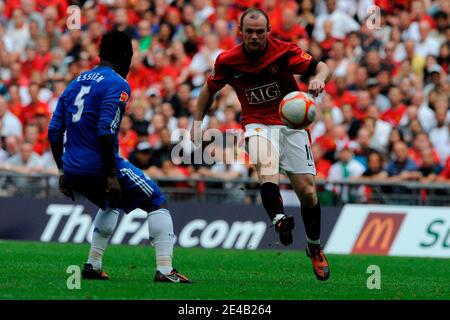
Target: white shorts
x,y
292,145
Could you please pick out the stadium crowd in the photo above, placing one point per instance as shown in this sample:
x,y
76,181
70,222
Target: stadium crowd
x,y
384,116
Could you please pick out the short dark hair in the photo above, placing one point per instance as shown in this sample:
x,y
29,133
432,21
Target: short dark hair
x,y
115,46
376,153
254,11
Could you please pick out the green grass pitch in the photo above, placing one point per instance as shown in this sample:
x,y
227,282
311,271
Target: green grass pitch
x,y
31,270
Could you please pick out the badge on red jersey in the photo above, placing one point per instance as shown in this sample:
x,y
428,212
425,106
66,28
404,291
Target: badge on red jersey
x,y
306,55
273,68
124,96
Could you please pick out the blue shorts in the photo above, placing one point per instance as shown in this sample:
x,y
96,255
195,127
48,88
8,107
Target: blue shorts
x,y
138,190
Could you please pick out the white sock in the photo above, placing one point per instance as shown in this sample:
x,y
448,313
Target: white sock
x,y
104,225
277,218
160,229
316,242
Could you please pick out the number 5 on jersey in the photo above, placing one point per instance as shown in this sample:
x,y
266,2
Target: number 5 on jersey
x,y
79,103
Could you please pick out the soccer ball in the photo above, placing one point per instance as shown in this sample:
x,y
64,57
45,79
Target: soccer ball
x,y
297,110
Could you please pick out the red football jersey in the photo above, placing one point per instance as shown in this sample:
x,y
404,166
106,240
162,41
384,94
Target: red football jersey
x,y
262,82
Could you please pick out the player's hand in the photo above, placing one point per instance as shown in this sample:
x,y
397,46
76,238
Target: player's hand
x,y
113,192
65,189
196,133
316,86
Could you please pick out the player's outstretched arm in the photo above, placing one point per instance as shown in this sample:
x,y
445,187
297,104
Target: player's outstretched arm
x,y
204,102
322,76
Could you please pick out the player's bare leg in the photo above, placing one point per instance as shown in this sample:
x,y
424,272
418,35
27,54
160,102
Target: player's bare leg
x,y
160,228
104,224
305,188
266,159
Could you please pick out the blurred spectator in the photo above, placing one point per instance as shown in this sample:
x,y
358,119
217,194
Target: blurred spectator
x,y
426,44
128,138
395,113
16,76
369,43
18,31
322,165
226,40
203,10
306,17
3,153
429,168
384,80
144,35
180,61
138,109
350,123
225,169
394,136
337,54
342,22
440,135
420,143
157,124
444,56
329,107
444,176
374,172
169,115
425,114
25,160
362,146
361,111
32,136
328,42
373,63
288,29
230,122
344,169
36,106
342,95
380,100
170,170
142,156
12,145
192,41
323,135
375,164
169,89
401,167
181,100
121,21
204,59
165,35
181,140
164,150
340,137
434,76
10,124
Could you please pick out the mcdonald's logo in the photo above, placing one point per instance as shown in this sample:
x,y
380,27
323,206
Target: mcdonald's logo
x,y
378,233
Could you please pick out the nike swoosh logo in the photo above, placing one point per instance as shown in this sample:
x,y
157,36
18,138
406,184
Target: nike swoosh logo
x,y
173,278
310,165
238,75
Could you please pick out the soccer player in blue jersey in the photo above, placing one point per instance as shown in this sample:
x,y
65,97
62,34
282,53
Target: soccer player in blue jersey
x,y
89,112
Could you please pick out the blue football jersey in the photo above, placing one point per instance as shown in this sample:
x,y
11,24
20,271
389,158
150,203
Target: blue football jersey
x,y
92,105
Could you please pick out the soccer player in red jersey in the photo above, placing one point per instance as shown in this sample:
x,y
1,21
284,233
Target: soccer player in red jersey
x,y
261,72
